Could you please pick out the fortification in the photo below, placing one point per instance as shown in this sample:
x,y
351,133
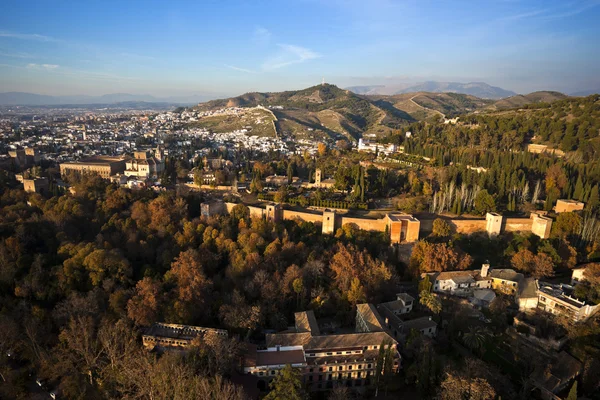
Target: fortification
x,y
274,212
568,206
328,222
493,223
541,225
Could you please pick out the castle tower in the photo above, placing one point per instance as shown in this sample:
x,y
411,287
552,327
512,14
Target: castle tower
x,y
318,177
493,223
274,212
328,222
158,153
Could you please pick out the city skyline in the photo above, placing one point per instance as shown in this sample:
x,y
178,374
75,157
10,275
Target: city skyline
x,y
217,50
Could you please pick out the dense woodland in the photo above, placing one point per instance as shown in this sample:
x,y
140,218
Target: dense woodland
x,y
81,274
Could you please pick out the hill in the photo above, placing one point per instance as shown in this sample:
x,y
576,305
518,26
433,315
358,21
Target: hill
x,y
424,105
323,110
531,98
478,89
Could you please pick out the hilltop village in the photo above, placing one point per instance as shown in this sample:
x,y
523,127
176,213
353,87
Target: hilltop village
x,y
240,250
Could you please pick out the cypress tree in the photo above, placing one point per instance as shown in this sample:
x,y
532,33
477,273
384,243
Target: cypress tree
x,y
593,200
578,193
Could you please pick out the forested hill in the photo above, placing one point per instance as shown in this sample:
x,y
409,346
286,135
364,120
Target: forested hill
x,y
326,106
531,98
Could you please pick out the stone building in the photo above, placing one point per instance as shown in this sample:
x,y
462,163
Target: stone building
x,y
104,166
164,336
36,185
568,206
145,165
325,360
25,158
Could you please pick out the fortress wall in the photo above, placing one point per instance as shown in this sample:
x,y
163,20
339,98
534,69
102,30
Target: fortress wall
x,y
366,224
517,224
467,225
256,212
303,216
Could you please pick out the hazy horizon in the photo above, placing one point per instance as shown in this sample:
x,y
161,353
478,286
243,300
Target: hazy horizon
x,y
218,50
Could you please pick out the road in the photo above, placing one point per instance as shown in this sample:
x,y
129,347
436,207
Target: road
x,y
425,108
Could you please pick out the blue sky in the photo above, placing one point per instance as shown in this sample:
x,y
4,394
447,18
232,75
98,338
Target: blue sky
x,y
227,47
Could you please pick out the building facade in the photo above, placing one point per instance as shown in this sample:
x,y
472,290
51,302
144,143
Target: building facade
x,y
325,360
103,166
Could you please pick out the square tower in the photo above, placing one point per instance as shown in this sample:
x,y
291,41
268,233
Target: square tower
x,y
274,212
493,224
328,222
318,177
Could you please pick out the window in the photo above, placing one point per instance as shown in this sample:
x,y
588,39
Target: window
x,y
329,354
310,370
320,377
331,368
369,366
261,373
359,366
339,352
340,368
349,367
310,378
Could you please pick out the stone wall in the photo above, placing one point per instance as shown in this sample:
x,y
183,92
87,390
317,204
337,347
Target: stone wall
x,y
303,216
366,224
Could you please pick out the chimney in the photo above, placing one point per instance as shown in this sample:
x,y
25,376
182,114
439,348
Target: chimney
x,y
484,270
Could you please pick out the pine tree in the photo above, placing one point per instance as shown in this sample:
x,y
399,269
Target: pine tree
x,y
573,392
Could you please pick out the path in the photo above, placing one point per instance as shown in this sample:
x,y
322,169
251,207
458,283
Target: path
x,y
425,108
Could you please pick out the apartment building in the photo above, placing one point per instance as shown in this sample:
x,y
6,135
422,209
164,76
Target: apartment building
x,y
557,299
104,166
325,360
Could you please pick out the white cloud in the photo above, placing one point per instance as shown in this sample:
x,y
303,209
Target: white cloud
x,y
233,67
289,55
48,67
15,55
261,35
28,36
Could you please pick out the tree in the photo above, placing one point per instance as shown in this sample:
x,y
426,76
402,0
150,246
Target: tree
x,y
484,202
356,293
440,228
573,392
322,149
567,224
339,393
538,266
474,338
431,301
287,385
425,284
144,307
456,387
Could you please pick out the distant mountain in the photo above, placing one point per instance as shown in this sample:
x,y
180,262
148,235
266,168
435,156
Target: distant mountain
x,y
373,89
477,89
531,98
32,99
585,93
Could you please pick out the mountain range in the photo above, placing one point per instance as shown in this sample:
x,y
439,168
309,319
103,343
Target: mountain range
x,y
32,99
477,89
328,111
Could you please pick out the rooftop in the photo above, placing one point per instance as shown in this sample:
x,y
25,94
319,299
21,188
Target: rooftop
x,y
506,274
370,316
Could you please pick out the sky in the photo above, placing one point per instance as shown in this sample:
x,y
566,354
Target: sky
x,y
228,47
